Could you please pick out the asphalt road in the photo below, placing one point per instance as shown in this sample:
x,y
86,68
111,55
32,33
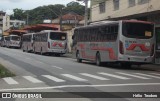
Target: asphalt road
x,y
37,73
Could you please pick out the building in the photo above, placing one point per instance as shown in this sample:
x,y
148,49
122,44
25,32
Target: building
x,y
17,23
147,10
69,21
4,22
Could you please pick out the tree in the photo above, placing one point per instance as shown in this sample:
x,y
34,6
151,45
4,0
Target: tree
x,y
18,14
37,15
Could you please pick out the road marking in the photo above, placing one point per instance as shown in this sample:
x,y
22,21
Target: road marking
x,y
57,67
74,77
32,79
93,76
81,86
155,73
53,78
115,76
10,80
136,76
157,77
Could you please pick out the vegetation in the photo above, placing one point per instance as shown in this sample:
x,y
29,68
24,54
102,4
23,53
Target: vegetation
x,y
5,72
38,14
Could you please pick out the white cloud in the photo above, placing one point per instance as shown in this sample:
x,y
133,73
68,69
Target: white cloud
x,y
9,5
9,12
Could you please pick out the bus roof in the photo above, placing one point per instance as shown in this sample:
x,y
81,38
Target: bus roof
x,y
138,21
113,22
52,31
13,35
28,34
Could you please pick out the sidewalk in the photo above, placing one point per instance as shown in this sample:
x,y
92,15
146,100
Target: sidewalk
x,y
68,55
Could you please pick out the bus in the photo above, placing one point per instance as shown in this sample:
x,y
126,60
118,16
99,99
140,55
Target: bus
x,y
125,42
27,42
13,41
7,41
3,41
52,42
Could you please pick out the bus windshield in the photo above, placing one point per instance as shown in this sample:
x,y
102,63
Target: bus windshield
x,y
57,36
137,30
16,38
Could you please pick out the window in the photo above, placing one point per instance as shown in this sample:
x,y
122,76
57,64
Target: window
x,y
143,1
138,30
16,38
102,7
58,36
116,4
131,3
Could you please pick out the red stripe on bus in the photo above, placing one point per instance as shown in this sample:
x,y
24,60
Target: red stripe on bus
x,y
82,46
142,46
110,50
56,43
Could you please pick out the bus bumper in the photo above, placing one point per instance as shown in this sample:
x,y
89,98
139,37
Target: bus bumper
x,y
135,59
60,51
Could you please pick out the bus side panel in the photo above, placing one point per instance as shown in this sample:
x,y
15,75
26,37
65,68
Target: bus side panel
x,y
44,47
109,51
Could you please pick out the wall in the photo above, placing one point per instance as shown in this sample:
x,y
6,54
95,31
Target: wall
x,y
69,36
124,9
6,22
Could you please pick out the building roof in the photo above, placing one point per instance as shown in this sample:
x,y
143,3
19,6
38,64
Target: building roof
x,y
72,16
40,27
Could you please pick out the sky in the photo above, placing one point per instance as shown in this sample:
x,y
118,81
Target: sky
x,y
9,5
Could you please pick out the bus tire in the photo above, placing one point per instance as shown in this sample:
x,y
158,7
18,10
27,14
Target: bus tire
x,y
34,51
41,51
27,50
78,57
98,59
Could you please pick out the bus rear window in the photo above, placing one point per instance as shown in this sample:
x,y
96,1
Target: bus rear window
x,y
16,38
137,30
57,36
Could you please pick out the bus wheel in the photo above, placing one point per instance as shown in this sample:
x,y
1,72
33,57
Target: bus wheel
x,y
34,51
98,60
78,57
27,50
41,52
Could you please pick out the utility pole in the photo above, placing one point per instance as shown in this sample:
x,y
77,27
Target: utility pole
x,y
86,11
27,18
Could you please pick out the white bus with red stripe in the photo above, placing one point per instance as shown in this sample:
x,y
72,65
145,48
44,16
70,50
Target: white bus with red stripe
x,y
27,42
54,42
13,41
126,42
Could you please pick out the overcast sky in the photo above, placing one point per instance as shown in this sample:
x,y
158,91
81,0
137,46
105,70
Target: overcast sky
x,y
9,5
